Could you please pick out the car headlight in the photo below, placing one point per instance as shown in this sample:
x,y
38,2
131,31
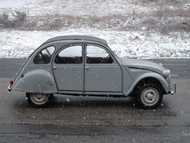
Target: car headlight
x,y
166,73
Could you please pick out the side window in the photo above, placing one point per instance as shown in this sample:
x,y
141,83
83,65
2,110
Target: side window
x,y
97,55
70,55
44,56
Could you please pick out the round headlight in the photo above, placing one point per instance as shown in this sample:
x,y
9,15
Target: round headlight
x,y
166,72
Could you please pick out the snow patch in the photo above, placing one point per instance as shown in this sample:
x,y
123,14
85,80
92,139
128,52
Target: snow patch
x,y
19,44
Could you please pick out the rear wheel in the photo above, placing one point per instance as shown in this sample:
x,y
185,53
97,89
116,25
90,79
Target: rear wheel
x,y
38,99
149,96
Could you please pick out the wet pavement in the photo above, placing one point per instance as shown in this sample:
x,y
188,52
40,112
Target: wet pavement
x,y
93,119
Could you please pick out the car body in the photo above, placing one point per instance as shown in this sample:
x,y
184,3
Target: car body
x,y
85,65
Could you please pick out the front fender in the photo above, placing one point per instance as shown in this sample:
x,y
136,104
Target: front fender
x,y
157,76
36,81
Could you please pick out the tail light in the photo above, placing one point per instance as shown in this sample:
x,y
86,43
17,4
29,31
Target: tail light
x,y
10,85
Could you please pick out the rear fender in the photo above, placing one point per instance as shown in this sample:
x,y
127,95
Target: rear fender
x,y
40,81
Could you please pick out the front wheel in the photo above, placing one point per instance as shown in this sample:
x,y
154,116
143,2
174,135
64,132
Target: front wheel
x,y
149,96
38,99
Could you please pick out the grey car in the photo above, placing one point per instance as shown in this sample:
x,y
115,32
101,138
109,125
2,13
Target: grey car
x,y
85,65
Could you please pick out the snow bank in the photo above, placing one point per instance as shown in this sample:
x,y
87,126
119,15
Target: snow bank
x,y
17,44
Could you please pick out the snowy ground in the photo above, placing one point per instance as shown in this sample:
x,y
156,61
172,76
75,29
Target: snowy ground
x,y
16,44
132,27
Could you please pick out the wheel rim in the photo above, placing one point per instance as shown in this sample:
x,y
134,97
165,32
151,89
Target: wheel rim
x,y
150,96
39,99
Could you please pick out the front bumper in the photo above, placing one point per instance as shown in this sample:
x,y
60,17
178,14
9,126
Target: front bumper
x,y
172,90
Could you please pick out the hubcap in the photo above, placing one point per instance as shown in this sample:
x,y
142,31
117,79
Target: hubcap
x,y
39,99
150,96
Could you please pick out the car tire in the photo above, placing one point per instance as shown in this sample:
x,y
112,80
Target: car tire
x,y
149,96
38,99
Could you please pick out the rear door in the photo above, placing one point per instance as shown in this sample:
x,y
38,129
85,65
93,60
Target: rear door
x,y
68,68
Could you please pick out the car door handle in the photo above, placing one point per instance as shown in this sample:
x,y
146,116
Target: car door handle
x,y
54,67
86,68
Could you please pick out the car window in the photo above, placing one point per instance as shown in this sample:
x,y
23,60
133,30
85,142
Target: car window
x,y
70,55
97,55
44,56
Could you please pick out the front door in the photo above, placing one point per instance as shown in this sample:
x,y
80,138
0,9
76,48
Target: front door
x,y
68,68
102,72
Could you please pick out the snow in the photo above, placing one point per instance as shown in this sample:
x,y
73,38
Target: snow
x,y
133,44
75,7
90,7
13,3
19,44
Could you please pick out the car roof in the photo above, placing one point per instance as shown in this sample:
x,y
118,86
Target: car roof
x,y
77,37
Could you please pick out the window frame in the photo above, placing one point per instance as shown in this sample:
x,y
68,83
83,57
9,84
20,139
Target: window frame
x,y
65,46
101,47
40,51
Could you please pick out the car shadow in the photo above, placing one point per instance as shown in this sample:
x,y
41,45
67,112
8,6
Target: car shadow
x,y
92,102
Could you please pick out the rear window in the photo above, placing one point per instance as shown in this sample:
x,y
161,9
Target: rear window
x,y
70,55
44,56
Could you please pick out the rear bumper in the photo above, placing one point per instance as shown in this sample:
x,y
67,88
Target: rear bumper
x,y
9,88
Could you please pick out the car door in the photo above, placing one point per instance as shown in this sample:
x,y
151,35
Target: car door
x,y
102,72
68,68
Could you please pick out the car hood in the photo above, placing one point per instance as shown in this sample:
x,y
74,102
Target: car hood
x,y
143,64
